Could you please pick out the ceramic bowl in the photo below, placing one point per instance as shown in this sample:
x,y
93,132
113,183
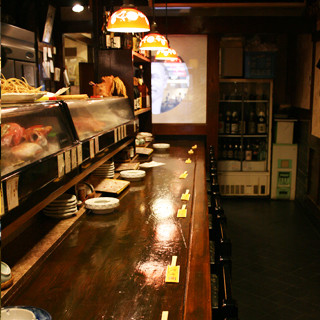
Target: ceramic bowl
x,y
161,146
102,205
132,175
5,273
17,314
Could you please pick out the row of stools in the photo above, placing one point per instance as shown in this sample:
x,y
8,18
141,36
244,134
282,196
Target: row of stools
x,y
224,306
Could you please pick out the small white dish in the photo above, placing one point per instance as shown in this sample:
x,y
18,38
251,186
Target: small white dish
x,y
17,314
102,205
161,146
6,276
132,175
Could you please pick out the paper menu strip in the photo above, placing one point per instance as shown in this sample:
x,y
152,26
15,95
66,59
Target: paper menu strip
x,y
186,195
182,213
61,165
67,159
79,154
74,158
91,147
165,315
183,175
12,192
172,274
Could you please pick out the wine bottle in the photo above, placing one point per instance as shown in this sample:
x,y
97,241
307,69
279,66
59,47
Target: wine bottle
x,y
261,125
248,153
227,123
221,123
235,123
142,86
252,123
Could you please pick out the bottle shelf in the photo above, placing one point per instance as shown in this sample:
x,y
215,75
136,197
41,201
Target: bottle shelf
x,y
243,135
142,110
245,101
137,57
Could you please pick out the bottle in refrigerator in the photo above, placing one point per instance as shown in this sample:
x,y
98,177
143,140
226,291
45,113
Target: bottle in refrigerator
x,y
242,127
230,152
255,151
221,123
235,123
236,152
252,123
261,124
241,154
224,152
227,123
262,150
248,152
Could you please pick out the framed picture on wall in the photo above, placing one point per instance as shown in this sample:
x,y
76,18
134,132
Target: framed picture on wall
x,y
315,131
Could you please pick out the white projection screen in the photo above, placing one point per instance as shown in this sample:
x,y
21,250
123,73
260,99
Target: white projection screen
x,y
179,89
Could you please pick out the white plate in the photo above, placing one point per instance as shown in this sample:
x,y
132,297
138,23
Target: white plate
x,y
65,198
133,175
102,204
62,205
20,97
59,211
161,146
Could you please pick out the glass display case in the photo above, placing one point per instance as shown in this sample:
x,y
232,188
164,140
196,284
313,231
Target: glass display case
x,y
32,132
44,145
245,111
93,116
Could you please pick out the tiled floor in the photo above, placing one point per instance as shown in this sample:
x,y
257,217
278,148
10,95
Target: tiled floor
x,y
275,260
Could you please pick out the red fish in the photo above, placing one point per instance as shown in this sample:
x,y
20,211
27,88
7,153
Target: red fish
x,y
11,134
37,134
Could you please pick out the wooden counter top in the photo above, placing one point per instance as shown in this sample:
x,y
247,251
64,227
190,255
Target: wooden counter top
x,y
113,266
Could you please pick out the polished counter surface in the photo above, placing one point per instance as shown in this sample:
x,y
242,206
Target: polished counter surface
x,y
113,266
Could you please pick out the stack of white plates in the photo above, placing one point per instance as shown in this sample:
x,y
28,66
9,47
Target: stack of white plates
x,y
102,205
63,207
132,175
106,170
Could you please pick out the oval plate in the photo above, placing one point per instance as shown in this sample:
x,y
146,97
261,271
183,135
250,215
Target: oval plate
x,y
39,313
21,97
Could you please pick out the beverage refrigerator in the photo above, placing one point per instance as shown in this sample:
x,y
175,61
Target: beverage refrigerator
x,y
244,140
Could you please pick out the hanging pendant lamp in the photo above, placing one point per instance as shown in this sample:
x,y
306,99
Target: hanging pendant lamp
x,y
128,19
153,40
167,54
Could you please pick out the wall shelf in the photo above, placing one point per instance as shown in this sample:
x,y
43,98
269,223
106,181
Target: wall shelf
x,y
140,111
